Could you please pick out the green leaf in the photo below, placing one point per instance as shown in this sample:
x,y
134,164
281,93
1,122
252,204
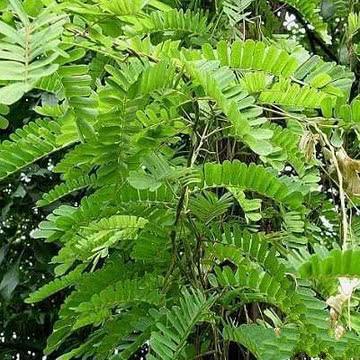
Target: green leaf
x,y
259,146
3,252
142,181
168,342
4,123
9,282
33,7
28,52
10,94
19,10
85,130
20,192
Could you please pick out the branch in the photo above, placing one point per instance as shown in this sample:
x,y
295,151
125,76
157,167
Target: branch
x,y
345,224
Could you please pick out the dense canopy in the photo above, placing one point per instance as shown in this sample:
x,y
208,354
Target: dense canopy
x,y
179,179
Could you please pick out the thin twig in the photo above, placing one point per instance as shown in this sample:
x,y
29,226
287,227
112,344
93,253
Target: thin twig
x,y
345,224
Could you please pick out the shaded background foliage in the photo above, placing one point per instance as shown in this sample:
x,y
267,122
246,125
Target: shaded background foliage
x,y
24,262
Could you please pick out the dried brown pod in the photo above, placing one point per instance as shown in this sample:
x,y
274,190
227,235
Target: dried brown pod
x,y
350,169
307,144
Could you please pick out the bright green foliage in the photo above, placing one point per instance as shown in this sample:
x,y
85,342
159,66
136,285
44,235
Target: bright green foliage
x,y
65,189
169,342
336,264
123,7
250,178
208,184
58,284
28,52
172,20
29,144
264,343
